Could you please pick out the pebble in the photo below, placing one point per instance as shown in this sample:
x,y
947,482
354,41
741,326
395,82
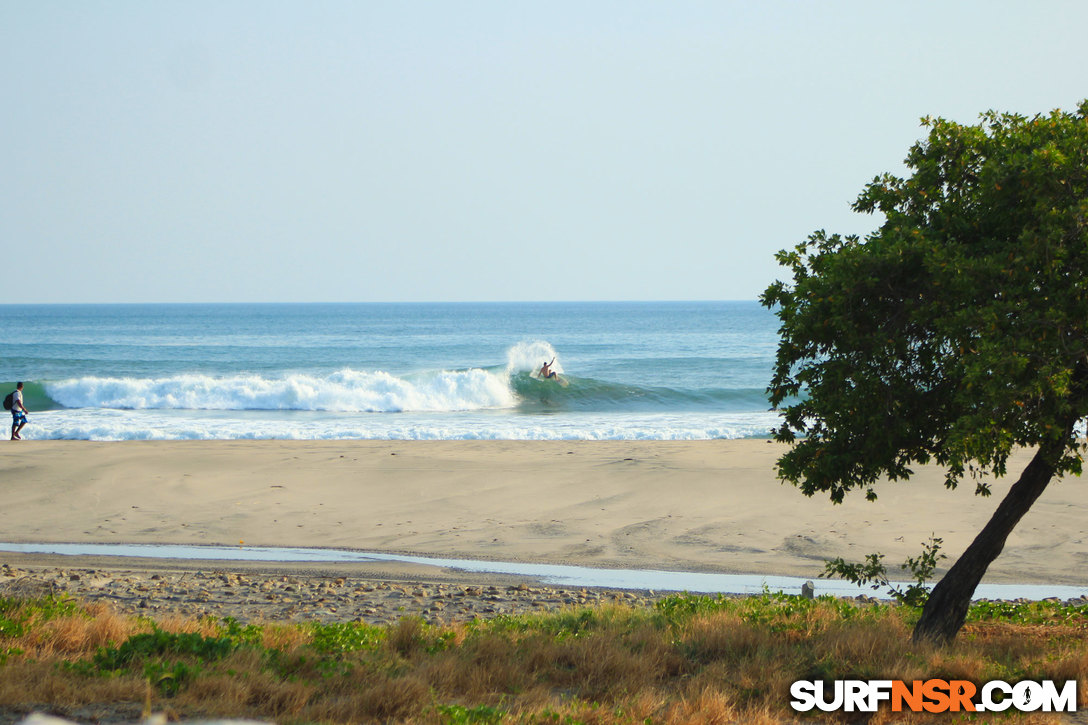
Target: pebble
x,y
253,598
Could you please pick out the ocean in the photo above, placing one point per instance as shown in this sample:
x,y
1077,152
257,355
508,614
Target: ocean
x,y
635,370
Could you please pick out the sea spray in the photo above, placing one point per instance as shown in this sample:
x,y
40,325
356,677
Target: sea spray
x,y
343,391
530,355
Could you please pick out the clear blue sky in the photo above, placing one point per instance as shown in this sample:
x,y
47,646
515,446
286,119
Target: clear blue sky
x,y
385,151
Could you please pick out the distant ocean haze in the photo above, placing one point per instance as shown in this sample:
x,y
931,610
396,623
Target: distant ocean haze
x,y
653,371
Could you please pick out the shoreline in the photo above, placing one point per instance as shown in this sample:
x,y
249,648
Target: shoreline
x,y
700,506
395,568
295,594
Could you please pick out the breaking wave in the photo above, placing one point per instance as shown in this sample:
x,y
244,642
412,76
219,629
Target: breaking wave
x,y
343,391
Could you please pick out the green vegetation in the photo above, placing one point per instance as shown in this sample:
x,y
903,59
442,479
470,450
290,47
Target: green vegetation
x,y
16,614
954,334
153,653
688,659
873,572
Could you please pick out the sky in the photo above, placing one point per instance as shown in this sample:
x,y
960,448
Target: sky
x,y
327,151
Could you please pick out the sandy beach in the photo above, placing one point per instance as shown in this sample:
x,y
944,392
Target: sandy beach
x,y
707,506
711,506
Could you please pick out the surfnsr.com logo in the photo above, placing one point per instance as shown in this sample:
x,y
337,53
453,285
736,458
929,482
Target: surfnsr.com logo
x,y
933,696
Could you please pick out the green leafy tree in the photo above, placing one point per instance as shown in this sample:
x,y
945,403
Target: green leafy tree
x,y
953,334
873,572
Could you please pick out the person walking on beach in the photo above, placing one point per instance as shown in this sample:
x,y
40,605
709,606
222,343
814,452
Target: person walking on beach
x,y
18,413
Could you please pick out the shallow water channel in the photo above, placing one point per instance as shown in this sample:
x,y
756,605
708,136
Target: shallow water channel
x,y
550,574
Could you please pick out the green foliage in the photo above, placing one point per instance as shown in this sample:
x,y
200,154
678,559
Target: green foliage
x,y
774,611
955,332
873,572
1033,613
17,614
677,608
559,625
141,647
461,715
551,717
169,678
13,625
152,653
248,634
343,637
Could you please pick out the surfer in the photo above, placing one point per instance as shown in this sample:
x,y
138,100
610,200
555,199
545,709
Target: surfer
x,y
547,372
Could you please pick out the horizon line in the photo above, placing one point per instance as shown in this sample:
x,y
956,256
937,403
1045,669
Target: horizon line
x,y
382,302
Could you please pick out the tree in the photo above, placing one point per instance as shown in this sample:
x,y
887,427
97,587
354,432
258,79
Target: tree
x,y
953,334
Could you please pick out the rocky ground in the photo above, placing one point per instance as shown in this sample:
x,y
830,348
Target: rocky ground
x,y
263,596
268,595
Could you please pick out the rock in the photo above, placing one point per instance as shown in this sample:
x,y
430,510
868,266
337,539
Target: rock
x,y
808,590
37,718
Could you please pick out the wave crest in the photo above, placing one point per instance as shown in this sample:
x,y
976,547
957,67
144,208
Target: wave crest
x,y
527,357
342,391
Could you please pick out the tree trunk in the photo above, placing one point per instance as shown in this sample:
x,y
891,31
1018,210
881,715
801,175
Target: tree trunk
x,y
946,608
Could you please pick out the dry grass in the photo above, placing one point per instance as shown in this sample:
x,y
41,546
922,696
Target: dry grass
x,y
96,626
692,660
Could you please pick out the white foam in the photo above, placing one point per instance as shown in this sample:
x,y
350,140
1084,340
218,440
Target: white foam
x,y
530,355
343,391
163,424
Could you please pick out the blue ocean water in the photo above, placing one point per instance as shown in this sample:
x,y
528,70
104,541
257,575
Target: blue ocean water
x,y
635,370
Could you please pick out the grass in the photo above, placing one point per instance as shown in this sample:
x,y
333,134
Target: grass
x,y
691,659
